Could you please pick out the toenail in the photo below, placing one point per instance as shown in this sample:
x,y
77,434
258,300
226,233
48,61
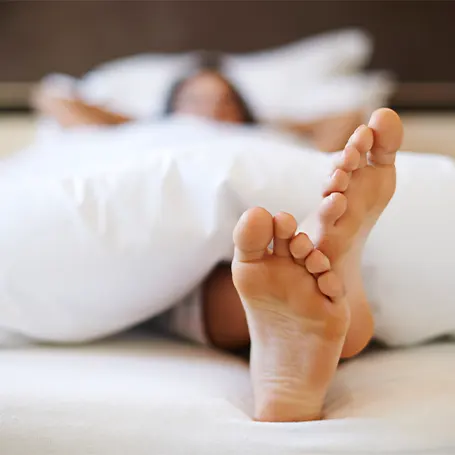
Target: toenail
x,y
322,266
317,262
325,262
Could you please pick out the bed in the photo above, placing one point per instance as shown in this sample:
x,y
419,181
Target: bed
x,y
143,395
140,394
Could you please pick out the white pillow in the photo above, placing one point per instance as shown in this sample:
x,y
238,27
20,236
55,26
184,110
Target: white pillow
x,y
309,59
138,86
274,80
362,92
103,229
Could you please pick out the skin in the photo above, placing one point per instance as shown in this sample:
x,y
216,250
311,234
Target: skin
x,y
208,95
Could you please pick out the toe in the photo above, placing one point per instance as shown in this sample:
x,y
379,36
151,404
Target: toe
x,y
339,182
348,160
284,227
331,285
316,262
388,135
300,246
253,234
362,140
332,208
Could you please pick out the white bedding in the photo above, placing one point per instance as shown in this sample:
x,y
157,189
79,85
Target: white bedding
x,y
103,229
140,396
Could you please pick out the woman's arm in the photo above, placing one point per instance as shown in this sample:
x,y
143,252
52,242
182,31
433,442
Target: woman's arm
x,y
74,112
329,134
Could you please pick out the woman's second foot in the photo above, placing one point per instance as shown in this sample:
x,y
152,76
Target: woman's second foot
x,y
364,179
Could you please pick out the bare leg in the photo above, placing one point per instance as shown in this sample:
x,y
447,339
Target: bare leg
x,y
225,320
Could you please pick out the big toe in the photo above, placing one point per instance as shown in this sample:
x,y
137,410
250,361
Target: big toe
x,y
388,135
253,234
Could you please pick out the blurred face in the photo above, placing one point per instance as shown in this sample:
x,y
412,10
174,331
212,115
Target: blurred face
x,y
208,95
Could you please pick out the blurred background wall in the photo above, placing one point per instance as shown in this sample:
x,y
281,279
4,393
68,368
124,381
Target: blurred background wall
x,y
415,39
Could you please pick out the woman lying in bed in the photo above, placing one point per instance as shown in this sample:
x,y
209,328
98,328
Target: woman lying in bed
x,y
204,93
301,304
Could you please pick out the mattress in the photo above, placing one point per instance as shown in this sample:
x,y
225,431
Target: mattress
x,y
139,395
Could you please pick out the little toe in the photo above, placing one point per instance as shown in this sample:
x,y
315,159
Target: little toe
x,y
284,227
339,182
332,208
253,234
317,262
331,285
300,247
388,134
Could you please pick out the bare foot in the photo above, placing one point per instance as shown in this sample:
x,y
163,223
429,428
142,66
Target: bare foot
x,y
297,322
364,180
297,309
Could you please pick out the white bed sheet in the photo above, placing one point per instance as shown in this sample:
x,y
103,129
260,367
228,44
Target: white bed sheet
x,y
146,396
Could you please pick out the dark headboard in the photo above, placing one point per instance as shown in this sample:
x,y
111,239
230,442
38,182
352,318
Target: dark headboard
x,y
414,39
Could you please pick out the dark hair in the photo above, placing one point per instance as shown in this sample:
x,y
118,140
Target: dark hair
x,y
211,62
